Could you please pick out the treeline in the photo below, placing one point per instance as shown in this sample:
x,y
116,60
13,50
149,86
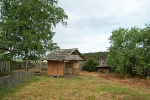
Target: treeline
x,y
96,55
129,52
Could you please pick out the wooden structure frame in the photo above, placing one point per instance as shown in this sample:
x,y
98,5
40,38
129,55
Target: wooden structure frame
x,y
63,62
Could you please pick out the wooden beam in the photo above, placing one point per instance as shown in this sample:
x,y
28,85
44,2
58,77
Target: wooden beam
x,y
64,70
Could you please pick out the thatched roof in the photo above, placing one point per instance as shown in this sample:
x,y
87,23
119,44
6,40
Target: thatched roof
x,y
103,65
64,54
3,48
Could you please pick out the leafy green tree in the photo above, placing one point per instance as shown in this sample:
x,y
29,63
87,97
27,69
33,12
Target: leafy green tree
x,y
26,26
130,51
90,65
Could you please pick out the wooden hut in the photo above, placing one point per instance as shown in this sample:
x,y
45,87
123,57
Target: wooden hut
x,y
64,62
102,67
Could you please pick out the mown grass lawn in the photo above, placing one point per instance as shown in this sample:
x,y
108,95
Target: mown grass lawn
x,y
81,87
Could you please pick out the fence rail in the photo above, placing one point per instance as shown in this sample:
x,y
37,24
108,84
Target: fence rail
x,y
16,78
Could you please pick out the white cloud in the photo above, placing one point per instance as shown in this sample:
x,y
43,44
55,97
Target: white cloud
x,y
91,22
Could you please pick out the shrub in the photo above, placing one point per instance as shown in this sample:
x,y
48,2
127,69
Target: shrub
x,y
90,65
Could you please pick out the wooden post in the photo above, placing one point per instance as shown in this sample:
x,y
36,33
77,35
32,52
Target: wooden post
x,y
0,65
4,64
72,68
52,66
26,64
20,64
78,67
36,64
64,70
40,66
9,66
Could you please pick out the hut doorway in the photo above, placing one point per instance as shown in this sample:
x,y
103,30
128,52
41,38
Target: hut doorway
x,y
68,68
72,68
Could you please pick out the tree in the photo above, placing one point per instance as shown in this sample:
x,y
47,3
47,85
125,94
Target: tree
x,y
96,55
130,51
90,65
26,26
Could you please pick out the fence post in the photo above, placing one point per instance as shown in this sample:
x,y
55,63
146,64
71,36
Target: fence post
x,y
36,64
20,64
26,64
4,64
9,66
1,66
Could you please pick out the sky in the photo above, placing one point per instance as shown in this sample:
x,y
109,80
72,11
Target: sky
x,y
90,22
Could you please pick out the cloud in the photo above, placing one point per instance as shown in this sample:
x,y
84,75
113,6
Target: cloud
x,y
86,41
91,22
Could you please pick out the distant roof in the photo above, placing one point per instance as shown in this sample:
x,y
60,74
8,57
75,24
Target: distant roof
x,y
102,66
64,54
3,48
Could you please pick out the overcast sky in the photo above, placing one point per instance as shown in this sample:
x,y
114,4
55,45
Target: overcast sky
x,y
90,22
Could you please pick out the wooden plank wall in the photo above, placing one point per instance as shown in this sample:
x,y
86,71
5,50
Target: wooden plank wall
x,y
55,68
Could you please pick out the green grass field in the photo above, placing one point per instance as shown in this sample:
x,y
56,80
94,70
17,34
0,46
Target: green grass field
x,y
83,87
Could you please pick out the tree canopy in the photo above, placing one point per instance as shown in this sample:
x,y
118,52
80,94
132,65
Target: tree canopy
x,y
27,26
130,51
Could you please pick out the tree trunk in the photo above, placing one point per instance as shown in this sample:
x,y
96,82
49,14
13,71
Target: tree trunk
x,y
129,70
27,60
26,69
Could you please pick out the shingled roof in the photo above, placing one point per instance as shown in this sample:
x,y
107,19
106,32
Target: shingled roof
x,y
3,48
64,54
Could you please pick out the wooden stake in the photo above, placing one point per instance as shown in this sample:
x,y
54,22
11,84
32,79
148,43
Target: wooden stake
x,y
26,64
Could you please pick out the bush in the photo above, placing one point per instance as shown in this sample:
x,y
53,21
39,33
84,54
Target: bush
x,y
90,65
129,51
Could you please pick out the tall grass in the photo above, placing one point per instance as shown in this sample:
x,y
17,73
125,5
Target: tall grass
x,y
80,87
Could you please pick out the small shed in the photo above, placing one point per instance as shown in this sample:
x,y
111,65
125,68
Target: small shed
x,y
102,67
63,62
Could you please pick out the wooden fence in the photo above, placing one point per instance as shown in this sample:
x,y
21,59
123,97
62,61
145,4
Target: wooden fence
x,y
5,66
16,78
9,66
17,65
14,65
40,65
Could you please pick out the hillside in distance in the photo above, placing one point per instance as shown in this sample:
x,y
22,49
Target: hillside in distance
x,y
96,55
